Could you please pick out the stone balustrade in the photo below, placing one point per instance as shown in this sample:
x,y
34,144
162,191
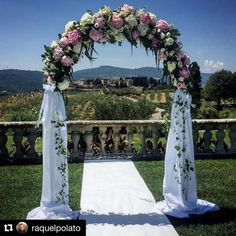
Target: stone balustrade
x,y
136,139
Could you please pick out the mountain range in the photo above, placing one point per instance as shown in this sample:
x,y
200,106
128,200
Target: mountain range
x,y
13,80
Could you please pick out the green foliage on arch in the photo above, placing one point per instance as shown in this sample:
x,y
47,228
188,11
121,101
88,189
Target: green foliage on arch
x,y
113,26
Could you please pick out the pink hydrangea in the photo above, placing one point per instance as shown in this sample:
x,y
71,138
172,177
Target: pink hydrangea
x,y
126,8
64,42
145,19
154,42
184,73
58,53
95,35
163,25
74,37
136,34
66,61
117,22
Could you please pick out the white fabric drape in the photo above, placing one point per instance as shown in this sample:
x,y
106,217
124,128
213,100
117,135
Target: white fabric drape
x,y
54,198
179,185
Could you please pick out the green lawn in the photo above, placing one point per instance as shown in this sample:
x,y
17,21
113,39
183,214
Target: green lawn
x,y
20,191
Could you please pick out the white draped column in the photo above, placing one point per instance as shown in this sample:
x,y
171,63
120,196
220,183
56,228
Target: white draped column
x,y
179,185
54,198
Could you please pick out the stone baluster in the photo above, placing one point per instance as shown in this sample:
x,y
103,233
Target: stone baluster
x,y
220,135
116,138
195,137
17,138
207,138
32,136
143,136
75,136
102,135
3,141
130,135
88,138
232,137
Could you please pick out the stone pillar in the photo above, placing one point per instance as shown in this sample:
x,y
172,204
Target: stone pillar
x,y
143,137
130,135
207,138
3,141
102,135
232,136
116,138
32,136
75,136
88,138
220,135
17,138
156,135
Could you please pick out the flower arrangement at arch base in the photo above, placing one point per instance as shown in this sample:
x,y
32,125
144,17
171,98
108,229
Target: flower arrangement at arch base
x,y
114,26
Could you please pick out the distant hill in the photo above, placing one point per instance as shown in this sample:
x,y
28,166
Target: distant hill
x,y
15,81
110,71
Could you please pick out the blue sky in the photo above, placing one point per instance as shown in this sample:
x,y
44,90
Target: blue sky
x,y
208,31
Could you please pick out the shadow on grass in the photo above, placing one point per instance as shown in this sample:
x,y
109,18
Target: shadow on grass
x,y
215,217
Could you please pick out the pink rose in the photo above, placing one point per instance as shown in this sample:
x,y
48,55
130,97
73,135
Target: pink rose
x,y
64,42
126,8
163,25
136,34
95,35
99,23
66,61
179,45
117,22
180,85
145,19
186,60
184,73
58,53
179,55
154,42
74,37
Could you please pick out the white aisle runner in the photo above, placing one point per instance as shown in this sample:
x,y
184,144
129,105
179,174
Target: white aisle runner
x,y
116,201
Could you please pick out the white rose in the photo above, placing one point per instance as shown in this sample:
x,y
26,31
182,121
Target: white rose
x,y
139,13
162,35
153,17
172,53
168,34
150,36
169,41
69,26
180,64
131,20
77,48
181,79
63,85
54,44
86,19
143,29
171,66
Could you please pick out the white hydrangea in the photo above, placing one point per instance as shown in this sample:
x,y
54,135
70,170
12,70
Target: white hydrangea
x,y
153,17
143,29
86,19
131,20
77,48
119,37
54,44
69,26
63,85
181,79
139,13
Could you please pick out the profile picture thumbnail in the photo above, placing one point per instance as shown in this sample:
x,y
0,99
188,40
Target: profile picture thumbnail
x,y
22,227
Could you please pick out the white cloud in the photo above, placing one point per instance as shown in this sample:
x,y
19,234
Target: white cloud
x,y
211,66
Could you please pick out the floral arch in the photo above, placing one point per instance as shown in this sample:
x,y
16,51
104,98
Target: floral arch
x,y
108,26
114,26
